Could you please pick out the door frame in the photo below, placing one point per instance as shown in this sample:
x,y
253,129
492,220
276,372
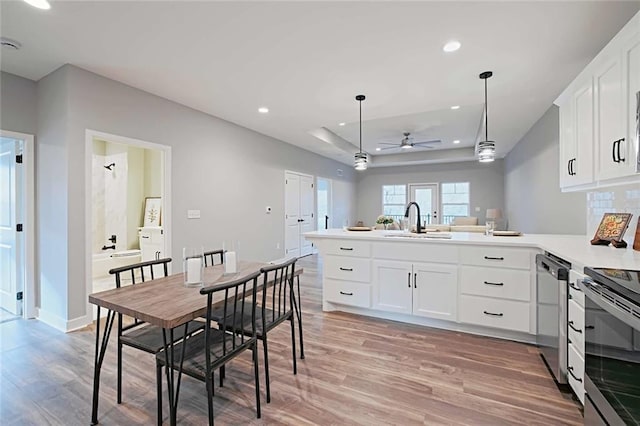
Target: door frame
x,y
437,203
29,293
165,194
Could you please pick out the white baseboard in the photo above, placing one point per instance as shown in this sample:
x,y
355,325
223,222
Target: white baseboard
x,y
60,323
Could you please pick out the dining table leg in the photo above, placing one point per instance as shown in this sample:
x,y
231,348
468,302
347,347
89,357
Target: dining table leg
x,y
101,348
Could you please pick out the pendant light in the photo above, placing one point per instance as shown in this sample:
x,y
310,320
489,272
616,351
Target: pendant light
x,y
486,148
360,162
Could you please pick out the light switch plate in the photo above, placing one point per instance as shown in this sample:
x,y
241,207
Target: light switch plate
x,y
193,214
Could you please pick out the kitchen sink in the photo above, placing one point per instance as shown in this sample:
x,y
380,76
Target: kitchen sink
x,y
434,235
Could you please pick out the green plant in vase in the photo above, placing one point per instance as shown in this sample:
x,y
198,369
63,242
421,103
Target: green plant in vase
x,y
384,220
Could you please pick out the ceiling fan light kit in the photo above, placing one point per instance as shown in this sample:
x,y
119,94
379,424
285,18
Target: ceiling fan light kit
x,y
486,148
360,160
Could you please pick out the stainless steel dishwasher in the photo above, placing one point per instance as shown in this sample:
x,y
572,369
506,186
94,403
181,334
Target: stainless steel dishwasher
x,y
552,277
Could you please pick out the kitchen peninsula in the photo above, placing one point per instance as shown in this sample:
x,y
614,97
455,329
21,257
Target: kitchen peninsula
x,y
471,282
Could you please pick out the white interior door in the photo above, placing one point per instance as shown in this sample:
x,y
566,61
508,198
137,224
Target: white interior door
x,y
306,213
323,216
10,244
426,195
292,214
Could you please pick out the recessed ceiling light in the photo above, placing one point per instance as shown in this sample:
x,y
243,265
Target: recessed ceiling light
x,y
40,4
457,141
451,46
341,124
263,110
455,107
378,149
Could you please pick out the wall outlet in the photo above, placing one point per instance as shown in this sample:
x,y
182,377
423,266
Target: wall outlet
x,y
278,246
477,209
193,214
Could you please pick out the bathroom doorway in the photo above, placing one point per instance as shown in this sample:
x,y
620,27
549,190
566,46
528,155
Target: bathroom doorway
x,y
128,206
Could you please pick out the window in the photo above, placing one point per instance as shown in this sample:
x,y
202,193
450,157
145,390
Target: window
x,y
455,201
394,200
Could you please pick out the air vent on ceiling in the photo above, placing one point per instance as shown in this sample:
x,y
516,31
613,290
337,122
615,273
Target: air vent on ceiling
x,y
9,43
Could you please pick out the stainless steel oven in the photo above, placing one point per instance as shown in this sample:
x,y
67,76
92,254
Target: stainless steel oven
x,y
612,346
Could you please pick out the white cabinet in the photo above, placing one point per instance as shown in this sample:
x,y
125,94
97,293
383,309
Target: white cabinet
x,y
598,125
151,243
576,331
421,289
347,272
576,137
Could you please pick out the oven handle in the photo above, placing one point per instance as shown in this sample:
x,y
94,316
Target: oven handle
x,y
587,285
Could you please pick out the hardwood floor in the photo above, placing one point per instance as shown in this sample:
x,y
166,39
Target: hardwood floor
x,y
357,371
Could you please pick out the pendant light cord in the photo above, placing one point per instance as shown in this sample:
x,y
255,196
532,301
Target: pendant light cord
x,y
360,102
486,113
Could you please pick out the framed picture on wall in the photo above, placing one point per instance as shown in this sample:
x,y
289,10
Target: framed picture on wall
x,y
152,211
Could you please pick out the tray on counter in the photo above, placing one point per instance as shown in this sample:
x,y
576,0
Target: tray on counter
x,y
507,233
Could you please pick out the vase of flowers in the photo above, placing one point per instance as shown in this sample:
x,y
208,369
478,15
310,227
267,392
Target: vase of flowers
x,y
384,220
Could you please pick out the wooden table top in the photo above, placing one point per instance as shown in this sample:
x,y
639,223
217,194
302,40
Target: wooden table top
x,y
167,302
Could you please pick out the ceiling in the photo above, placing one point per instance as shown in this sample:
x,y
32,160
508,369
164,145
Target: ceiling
x,y
306,61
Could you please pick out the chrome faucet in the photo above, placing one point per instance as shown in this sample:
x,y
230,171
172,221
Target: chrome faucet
x,y
406,214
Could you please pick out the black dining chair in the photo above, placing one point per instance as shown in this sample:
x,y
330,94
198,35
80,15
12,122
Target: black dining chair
x,y
138,334
276,307
203,353
210,257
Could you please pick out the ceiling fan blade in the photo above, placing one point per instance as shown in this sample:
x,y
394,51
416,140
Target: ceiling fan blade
x,y
435,141
395,146
385,143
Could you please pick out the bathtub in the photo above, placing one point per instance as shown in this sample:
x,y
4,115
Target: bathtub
x,y
102,262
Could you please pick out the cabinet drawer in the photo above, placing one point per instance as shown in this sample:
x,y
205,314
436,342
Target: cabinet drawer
x,y
347,268
421,251
496,256
347,293
496,282
498,313
575,326
574,291
575,373
347,248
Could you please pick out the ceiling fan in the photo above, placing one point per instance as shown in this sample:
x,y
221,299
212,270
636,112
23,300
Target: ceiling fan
x,y
408,143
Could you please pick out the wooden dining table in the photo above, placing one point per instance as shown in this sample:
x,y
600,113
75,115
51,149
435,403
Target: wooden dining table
x,y
164,302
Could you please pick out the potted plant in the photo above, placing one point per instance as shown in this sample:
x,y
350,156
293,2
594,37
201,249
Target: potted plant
x,y
384,220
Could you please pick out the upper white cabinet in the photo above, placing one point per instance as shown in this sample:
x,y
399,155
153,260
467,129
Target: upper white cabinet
x,y
598,136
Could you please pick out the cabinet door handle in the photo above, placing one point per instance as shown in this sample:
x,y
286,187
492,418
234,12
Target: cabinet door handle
x,y
573,286
146,238
493,315
620,143
570,369
346,269
493,258
415,280
573,328
569,167
346,248
346,294
490,283
589,327
613,152
409,279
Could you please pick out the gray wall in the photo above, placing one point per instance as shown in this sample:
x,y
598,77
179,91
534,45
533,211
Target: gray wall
x,y
486,185
17,104
534,203
226,171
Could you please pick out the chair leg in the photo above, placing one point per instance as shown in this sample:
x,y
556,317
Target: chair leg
x,y
210,398
293,344
159,391
222,376
266,366
119,379
299,312
257,377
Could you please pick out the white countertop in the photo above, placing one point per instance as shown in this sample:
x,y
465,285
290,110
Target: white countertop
x,y
573,248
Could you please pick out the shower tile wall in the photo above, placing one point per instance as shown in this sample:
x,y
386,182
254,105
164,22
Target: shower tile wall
x,y
622,199
109,196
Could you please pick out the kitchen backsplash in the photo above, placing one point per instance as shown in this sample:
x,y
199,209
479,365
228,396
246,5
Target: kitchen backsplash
x,y
621,199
